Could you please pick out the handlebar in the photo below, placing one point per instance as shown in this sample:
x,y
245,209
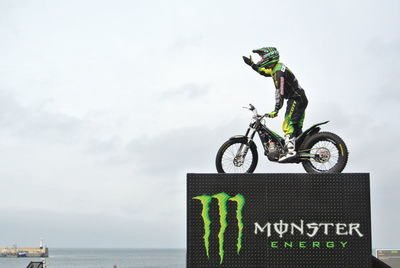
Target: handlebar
x,y
254,110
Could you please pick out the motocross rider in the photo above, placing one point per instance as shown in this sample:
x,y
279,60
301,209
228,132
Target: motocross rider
x,y
287,87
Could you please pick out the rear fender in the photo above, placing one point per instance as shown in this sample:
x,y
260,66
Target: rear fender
x,y
307,133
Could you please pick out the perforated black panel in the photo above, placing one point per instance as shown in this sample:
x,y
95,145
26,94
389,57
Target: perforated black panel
x,y
320,200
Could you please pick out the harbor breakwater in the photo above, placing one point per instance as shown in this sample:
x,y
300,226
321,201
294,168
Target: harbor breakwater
x,y
24,252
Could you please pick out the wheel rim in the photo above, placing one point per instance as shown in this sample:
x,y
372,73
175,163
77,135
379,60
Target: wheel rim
x,y
232,162
327,155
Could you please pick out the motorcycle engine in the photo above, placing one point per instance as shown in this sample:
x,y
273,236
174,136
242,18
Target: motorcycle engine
x,y
273,151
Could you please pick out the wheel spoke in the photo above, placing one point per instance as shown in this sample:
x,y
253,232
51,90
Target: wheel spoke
x,y
329,154
231,156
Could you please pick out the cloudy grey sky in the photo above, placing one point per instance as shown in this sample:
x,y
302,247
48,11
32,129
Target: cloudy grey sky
x,y
106,105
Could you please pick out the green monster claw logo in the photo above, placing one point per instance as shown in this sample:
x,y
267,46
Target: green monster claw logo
x,y
222,199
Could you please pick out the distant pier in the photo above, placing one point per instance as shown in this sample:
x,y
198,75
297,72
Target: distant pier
x,y
17,252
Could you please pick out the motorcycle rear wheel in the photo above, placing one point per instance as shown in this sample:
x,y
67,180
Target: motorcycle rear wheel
x,y
225,161
331,150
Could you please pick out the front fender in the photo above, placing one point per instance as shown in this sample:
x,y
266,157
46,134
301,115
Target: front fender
x,y
240,137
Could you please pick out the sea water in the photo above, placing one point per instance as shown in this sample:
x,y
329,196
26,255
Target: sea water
x,y
105,258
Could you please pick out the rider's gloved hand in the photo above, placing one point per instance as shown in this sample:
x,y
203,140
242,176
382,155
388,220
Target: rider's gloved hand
x,y
248,61
272,114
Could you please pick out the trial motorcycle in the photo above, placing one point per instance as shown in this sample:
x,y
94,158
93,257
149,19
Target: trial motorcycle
x,y
318,152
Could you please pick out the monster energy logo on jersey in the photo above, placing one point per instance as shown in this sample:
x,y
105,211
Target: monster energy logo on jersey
x,y
222,199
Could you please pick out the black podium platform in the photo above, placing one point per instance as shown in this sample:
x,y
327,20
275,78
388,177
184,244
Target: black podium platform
x,y
278,220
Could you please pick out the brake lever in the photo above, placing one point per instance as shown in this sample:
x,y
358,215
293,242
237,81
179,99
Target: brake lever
x,y
251,108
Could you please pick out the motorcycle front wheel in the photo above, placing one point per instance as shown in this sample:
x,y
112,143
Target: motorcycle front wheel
x,y
235,156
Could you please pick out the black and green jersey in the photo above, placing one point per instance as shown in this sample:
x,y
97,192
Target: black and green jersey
x,y
286,84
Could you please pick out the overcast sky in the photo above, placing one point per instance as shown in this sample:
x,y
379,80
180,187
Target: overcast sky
x,y
106,105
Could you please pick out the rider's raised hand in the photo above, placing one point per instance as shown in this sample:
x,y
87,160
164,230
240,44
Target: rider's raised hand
x,y
248,61
272,114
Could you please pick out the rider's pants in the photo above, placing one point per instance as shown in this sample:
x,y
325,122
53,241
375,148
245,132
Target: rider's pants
x,y
294,116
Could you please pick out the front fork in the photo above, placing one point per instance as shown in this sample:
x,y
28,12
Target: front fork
x,y
244,148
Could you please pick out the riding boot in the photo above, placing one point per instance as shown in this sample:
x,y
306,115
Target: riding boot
x,y
291,152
